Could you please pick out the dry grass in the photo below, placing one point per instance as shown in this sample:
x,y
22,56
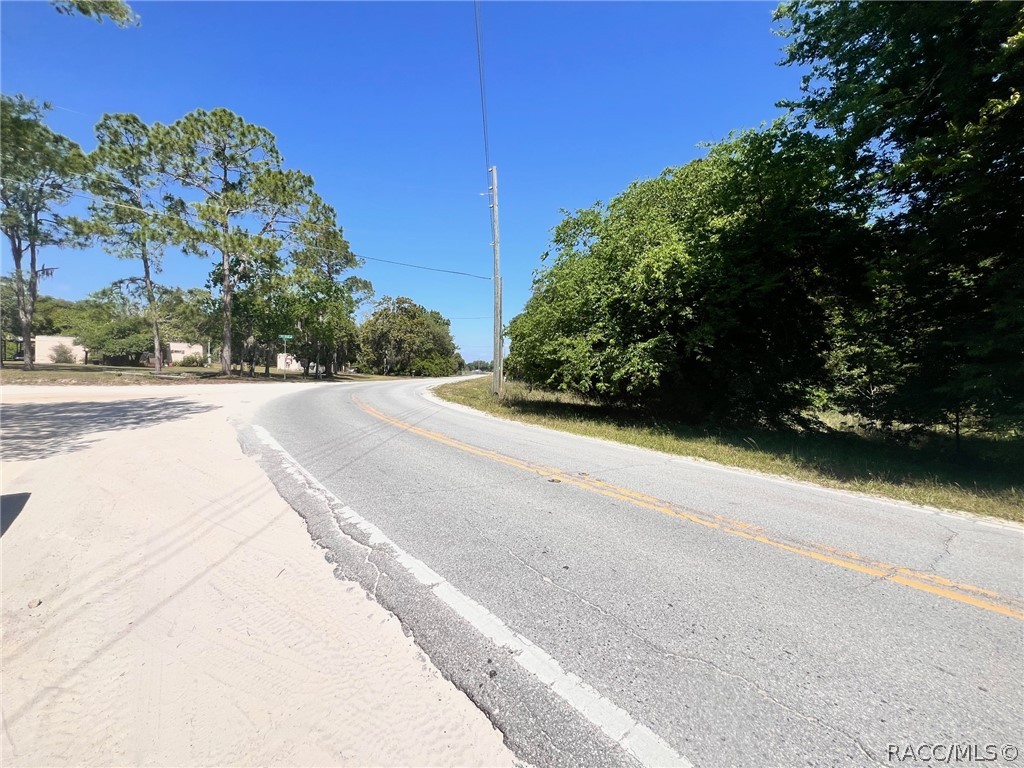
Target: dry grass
x,y
106,375
986,478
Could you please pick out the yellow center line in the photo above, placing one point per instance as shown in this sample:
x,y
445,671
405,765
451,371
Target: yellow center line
x,y
925,582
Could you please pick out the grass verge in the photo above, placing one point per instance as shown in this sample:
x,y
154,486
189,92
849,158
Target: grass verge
x,y
108,375
985,478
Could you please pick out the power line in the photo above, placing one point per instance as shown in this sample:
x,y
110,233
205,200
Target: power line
x,y
492,189
483,108
65,109
108,180
483,87
420,266
112,181
86,196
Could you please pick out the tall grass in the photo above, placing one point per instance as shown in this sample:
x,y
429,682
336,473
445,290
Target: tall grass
x,y
986,477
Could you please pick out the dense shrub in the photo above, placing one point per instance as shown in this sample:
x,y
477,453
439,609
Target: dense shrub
x,y
402,337
704,293
192,361
62,353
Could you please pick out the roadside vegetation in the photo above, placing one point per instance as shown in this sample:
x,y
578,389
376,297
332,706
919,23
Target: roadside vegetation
x,y
847,278
861,254
984,478
92,375
402,337
855,264
210,185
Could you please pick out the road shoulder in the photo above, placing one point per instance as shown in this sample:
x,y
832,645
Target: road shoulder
x,y
957,514
163,605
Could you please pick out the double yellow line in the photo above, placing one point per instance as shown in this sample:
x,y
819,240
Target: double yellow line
x,y
919,580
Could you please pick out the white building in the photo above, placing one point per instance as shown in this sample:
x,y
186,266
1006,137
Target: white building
x,y
288,363
180,350
46,348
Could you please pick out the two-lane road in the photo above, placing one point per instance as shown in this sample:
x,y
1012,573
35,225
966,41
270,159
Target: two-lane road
x,y
607,605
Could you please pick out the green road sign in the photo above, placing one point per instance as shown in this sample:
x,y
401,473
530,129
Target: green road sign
x,y
285,336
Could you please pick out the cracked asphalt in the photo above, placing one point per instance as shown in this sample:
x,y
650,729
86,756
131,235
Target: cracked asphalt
x,y
744,620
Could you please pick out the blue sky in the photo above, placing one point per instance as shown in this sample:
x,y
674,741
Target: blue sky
x,y
379,102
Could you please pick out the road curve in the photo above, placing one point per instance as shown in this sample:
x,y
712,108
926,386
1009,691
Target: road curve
x,y
609,605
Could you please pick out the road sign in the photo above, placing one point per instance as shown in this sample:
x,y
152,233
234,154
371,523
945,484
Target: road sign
x,y
284,337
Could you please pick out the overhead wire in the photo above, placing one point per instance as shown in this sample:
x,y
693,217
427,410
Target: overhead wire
x,y
492,198
483,109
96,177
86,196
430,269
483,87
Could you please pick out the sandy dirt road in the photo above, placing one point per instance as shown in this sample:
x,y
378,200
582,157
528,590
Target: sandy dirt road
x,y
162,605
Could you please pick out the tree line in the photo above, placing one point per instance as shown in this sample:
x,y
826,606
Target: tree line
x,y
399,337
861,253
210,185
112,325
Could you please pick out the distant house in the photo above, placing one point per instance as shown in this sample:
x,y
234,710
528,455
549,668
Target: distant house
x,y
288,362
180,350
46,346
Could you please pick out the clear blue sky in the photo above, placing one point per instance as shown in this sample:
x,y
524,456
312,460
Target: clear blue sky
x,y
380,103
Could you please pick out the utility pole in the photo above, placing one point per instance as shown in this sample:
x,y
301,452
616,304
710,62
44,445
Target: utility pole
x,y
497,384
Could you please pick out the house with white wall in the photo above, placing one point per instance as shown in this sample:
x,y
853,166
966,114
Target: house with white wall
x,y
46,348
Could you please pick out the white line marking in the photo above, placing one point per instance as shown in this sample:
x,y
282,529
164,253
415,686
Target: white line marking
x,y
635,738
806,485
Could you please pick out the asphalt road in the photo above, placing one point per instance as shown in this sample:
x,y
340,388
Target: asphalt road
x,y
608,605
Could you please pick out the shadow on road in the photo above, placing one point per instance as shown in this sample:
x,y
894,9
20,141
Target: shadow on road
x,y
11,505
39,430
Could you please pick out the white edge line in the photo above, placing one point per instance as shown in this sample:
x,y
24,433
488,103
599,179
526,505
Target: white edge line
x,y
635,738
807,485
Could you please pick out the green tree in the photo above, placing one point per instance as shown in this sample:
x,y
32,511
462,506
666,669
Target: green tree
x,y
113,327
130,215
190,315
238,201
117,11
39,172
304,294
51,316
925,101
402,337
324,300
706,292
264,308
